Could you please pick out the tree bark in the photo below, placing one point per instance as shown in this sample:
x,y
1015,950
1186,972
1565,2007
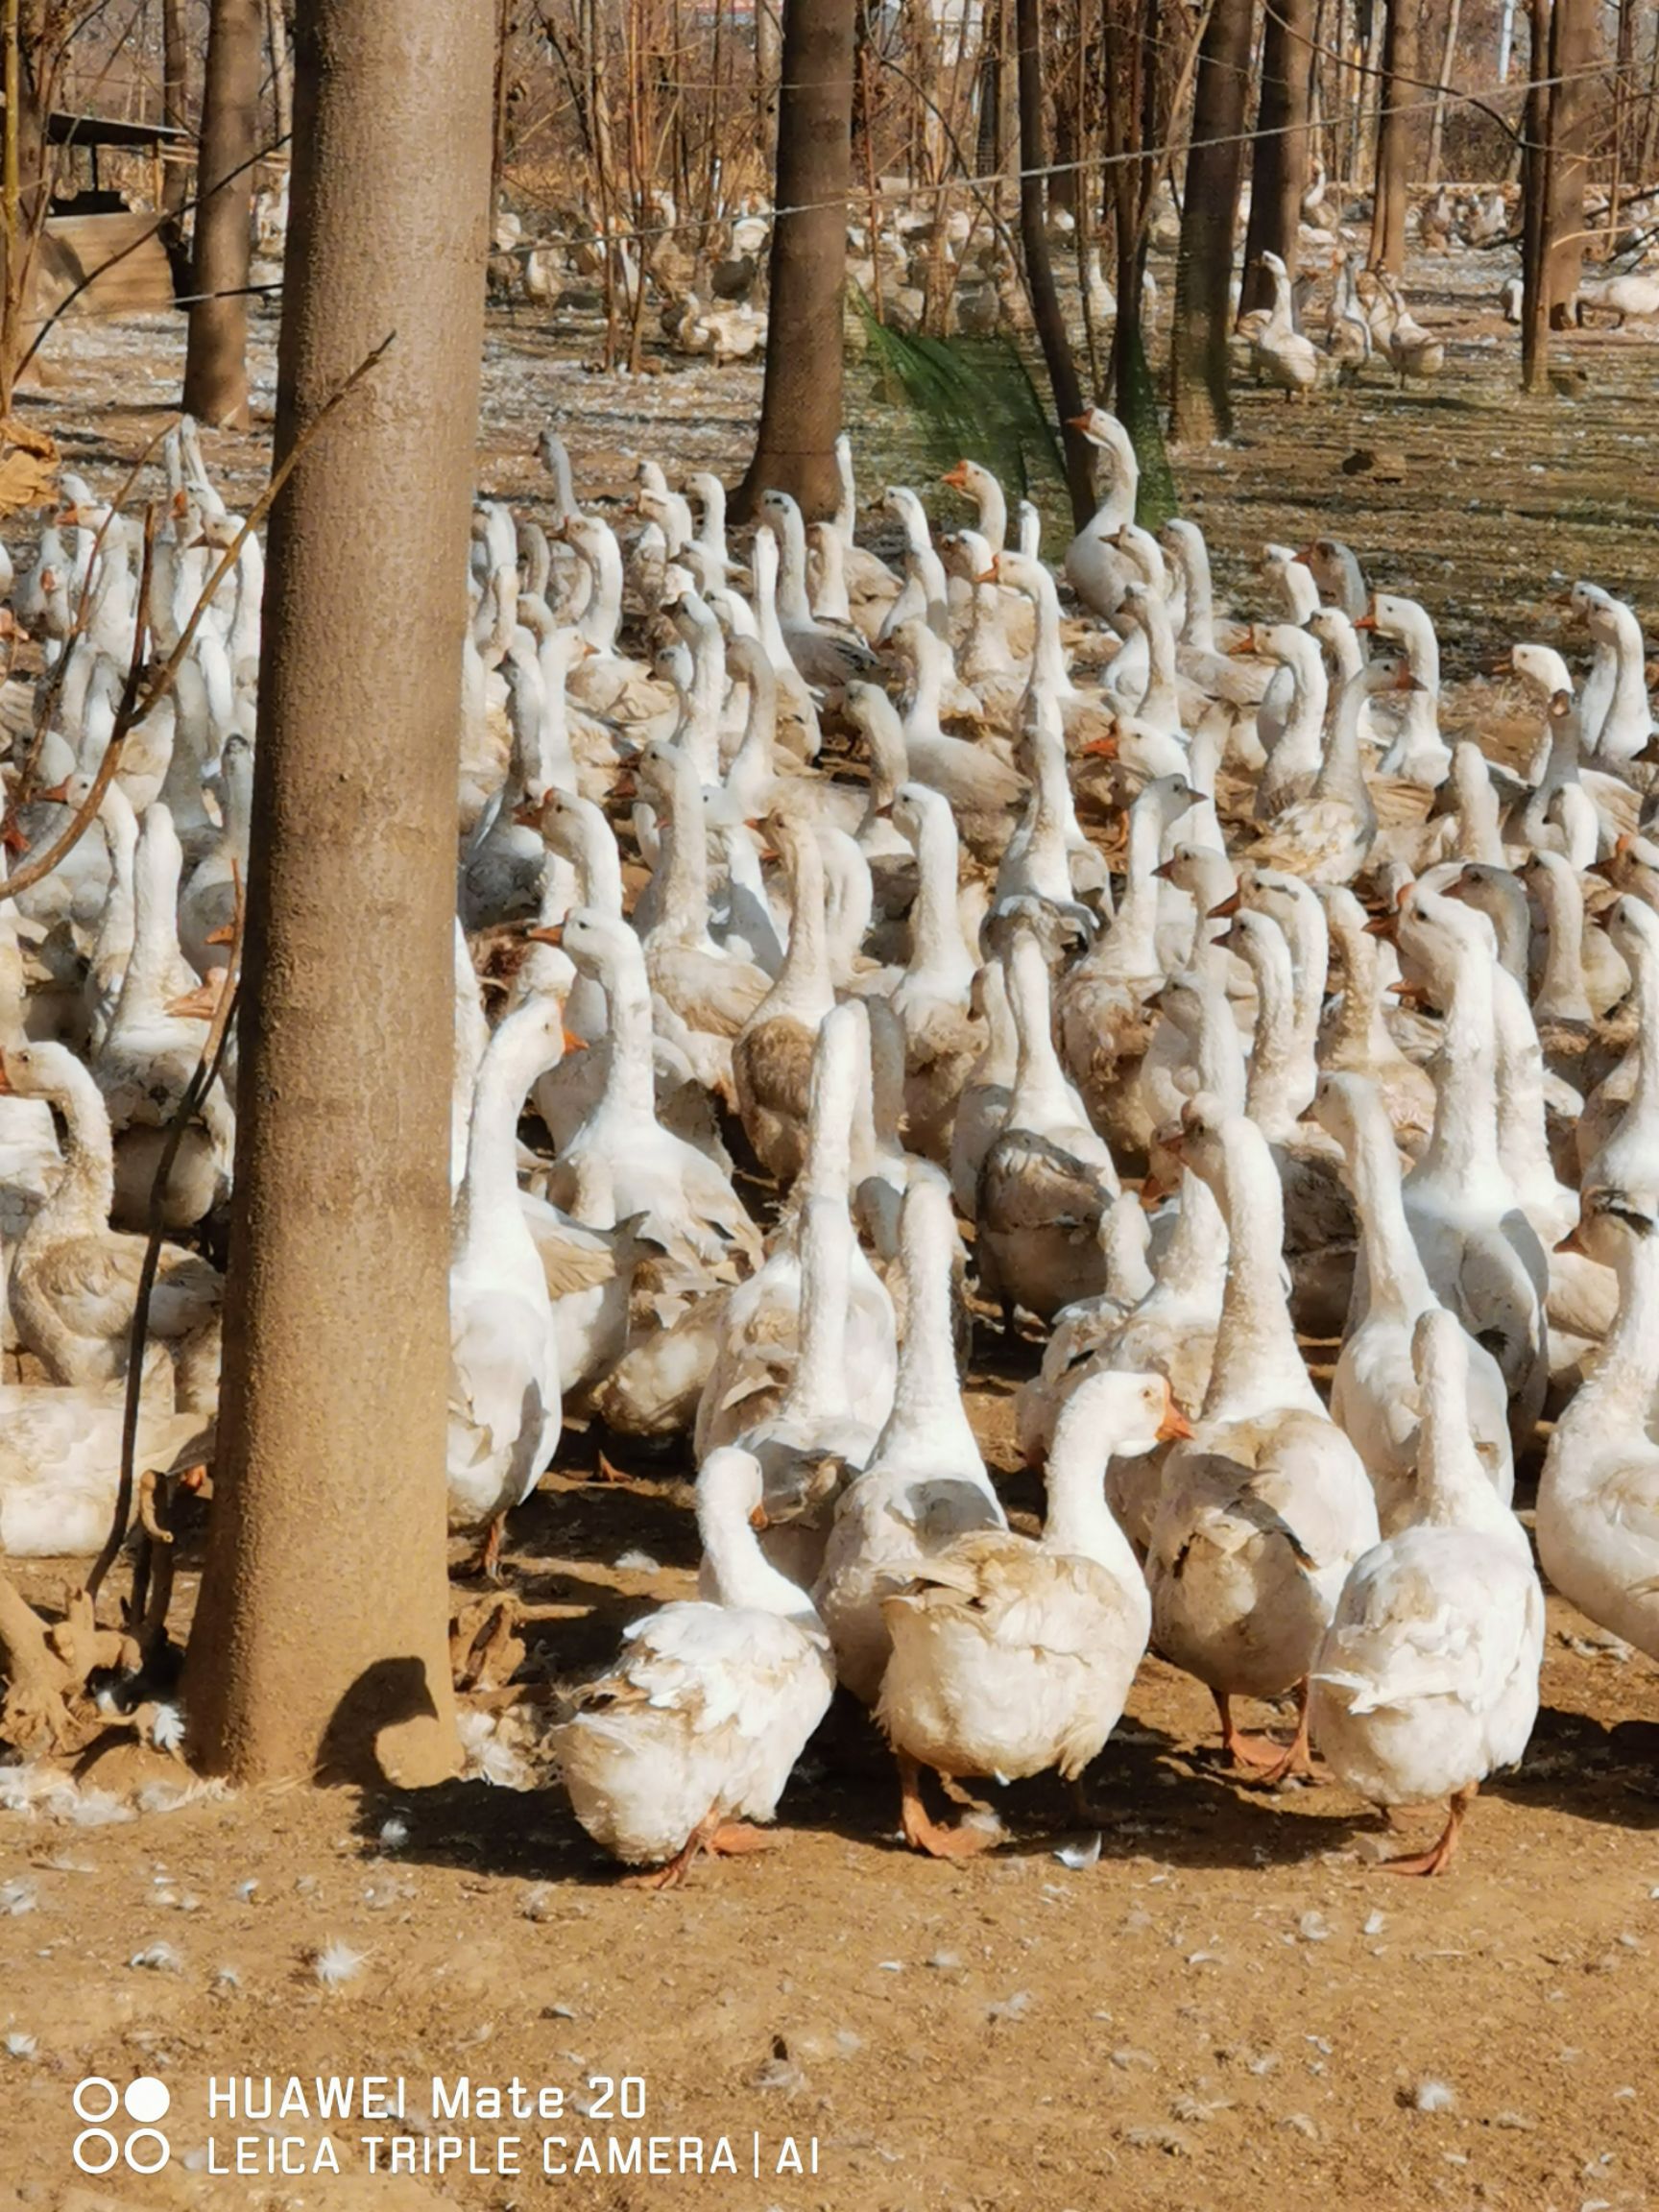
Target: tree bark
x,y
1278,159
1200,380
1535,197
216,353
175,110
281,67
320,1641
1395,138
1447,61
800,399
1045,297
1574,100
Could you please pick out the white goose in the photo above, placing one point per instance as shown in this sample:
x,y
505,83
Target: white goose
x,y
695,1732
1598,1516
1012,1656
504,1383
1372,1394
1264,1512
1428,1677
925,1482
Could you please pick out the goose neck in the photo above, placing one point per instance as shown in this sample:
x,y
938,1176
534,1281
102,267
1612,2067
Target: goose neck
x,y
803,986
1078,1522
819,1387
936,946
1397,1281
928,1419
1620,1391
1462,1147
742,1575
1257,1365
1280,1083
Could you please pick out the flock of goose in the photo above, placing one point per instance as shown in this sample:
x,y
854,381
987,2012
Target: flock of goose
x,y
849,951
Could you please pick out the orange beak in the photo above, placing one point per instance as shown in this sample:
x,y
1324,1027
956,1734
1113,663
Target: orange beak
x,y
989,575
1174,1424
197,1006
553,934
574,1042
1227,908
1077,421
1102,748
56,793
1364,621
758,1517
957,477
224,936
527,814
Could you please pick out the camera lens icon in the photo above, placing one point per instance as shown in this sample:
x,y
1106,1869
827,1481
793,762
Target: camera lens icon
x,y
144,2149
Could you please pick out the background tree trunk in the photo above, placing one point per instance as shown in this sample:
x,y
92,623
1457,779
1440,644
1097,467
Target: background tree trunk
x,y
1396,136
1279,157
281,67
1039,286
175,111
1535,196
1448,62
1200,380
216,355
800,399
320,1639
1574,98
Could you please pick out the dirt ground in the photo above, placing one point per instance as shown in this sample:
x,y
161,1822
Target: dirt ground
x,y
1231,2007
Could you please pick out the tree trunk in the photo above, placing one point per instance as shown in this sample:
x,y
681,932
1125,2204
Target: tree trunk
x,y
1045,310
281,68
1447,61
175,110
768,69
1395,138
1535,196
1136,118
1574,101
801,400
216,355
1279,162
319,1643
1200,382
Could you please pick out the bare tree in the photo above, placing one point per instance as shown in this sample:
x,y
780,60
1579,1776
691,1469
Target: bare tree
x,y
1535,196
1573,96
1279,154
1045,297
800,399
281,67
1396,136
175,109
216,355
320,1638
1201,407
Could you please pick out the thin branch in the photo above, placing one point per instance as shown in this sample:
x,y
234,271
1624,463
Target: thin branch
x,y
202,1081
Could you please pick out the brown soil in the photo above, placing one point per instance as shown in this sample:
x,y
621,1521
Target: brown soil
x,y
1232,2008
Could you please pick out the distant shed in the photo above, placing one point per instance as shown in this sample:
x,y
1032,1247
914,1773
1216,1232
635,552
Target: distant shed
x,y
94,234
